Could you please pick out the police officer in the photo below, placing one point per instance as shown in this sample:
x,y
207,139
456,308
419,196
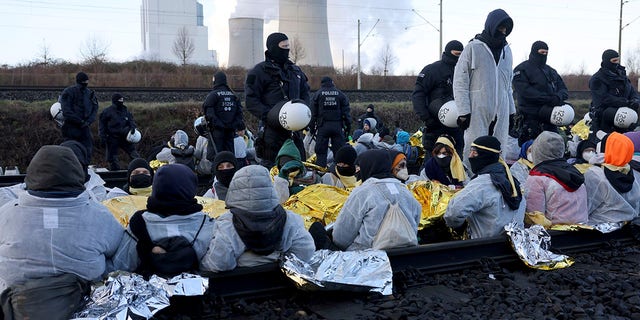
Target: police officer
x,y
115,123
539,88
610,90
330,116
275,80
434,87
79,108
223,112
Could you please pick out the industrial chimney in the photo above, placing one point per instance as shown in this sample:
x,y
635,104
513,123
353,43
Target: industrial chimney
x,y
305,23
246,47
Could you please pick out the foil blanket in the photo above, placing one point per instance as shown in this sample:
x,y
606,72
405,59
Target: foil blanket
x,y
532,246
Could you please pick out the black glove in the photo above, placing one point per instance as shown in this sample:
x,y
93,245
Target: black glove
x,y
633,104
555,101
431,122
464,121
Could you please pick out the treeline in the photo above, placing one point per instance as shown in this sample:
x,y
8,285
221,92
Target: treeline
x,y
154,74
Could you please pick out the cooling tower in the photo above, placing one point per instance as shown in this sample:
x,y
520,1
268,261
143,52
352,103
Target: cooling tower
x,y
246,47
305,22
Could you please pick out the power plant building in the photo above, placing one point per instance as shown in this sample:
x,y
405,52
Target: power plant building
x,y
246,45
162,21
305,23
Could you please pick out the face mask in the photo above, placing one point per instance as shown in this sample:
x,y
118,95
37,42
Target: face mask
x,y
587,155
443,161
225,176
140,181
403,174
346,171
280,55
140,191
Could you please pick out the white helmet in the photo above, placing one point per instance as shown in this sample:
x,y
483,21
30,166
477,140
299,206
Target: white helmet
x,y
587,119
56,113
625,117
448,114
200,126
294,115
135,137
562,115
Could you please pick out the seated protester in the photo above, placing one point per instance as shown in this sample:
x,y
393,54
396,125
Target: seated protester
x,y
555,187
412,152
520,169
172,211
292,175
224,167
492,199
369,125
388,143
635,160
201,155
360,220
343,173
585,151
139,178
240,148
612,189
445,165
54,240
178,150
399,165
257,229
364,143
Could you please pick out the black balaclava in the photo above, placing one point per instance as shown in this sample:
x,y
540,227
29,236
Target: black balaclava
x,y
81,79
535,57
279,55
449,58
219,79
375,163
584,144
485,157
224,176
81,153
370,114
173,191
117,99
140,180
606,63
347,154
326,82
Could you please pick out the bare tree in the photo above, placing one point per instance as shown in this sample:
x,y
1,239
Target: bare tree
x,y
94,50
44,56
297,51
387,59
183,46
632,61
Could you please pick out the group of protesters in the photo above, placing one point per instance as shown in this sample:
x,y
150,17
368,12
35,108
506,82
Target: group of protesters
x,y
55,235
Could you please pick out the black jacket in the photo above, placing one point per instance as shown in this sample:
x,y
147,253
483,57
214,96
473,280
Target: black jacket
x,y
268,83
610,89
223,109
330,104
435,81
115,121
79,106
535,86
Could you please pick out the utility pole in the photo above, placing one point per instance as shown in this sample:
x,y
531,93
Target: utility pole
x,y
622,2
359,45
440,31
431,24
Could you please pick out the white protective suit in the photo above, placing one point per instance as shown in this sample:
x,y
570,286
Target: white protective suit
x,y
606,204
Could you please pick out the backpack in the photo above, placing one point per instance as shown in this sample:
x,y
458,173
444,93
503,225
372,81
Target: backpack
x,y
179,257
395,230
413,158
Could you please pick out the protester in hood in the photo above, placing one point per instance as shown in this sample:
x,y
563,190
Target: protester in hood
x,y
399,165
116,122
492,199
434,87
224,167
585,151
554,187
364,143
223,112
485,100
369,125
139,178
612,189
270,82
178,150
539,89
54,240
360,219
79,109
370,113
520,169
635,160
343,173
445,165
611,89
256,229
292,175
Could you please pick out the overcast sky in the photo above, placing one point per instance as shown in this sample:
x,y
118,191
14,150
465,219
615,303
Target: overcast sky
x,y
577,31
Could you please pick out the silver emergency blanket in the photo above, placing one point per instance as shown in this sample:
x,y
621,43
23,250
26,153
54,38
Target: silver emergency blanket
x,y
608,227
124,295
532,246
361,271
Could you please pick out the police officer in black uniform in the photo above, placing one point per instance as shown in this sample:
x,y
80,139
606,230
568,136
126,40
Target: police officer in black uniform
x,y
539,89
223,112
610,90
330,116
434,87
115,123
275,80
79,108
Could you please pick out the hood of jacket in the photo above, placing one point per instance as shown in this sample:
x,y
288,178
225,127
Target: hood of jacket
x,y
252,190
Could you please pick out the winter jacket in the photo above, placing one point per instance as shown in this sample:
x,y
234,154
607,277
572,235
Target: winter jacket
x,y
610,90
330,104
79,106
435,81
115,121
223,109
536,86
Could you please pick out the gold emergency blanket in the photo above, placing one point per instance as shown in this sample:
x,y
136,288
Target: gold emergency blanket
x,y
433,197
537,217
581,129
124,207
318,202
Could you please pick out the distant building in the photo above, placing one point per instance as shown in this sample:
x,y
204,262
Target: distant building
x,y
246,47
161,23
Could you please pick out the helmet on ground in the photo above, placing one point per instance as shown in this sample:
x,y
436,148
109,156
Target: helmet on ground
x,y
134,137
294,115
56,113
200,126
587,119
562,115
625,117
448,114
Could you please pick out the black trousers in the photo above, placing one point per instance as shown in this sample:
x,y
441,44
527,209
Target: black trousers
x,y
328,131
80,134
532,127
223,139
113,146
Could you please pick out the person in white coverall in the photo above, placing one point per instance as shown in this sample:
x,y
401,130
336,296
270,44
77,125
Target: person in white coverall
x,y
482,82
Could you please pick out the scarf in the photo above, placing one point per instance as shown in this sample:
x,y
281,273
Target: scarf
x,y
562,172
621,178
501,179
261,232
